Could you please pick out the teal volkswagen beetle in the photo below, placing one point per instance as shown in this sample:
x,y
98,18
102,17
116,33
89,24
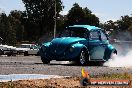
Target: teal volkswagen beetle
x,y
79,43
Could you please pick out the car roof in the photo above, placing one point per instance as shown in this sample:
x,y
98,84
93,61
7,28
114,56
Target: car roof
x,y
89,27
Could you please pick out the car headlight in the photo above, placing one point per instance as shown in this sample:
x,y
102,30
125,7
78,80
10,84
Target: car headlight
x,y
71,49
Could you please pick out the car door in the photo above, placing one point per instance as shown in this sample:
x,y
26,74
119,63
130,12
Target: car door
x,y
97,45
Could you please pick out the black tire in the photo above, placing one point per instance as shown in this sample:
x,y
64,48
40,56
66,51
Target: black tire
x,y
83,57
17,53
45,61
8,54
113,55
26,53
100,63
37,54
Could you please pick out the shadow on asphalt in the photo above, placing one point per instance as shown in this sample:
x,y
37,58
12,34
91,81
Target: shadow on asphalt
x,y
76,64
51,64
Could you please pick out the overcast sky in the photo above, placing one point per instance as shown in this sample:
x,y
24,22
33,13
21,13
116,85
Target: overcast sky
x,y
104,9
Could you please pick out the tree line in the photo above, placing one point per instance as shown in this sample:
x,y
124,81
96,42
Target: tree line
x,y
36,23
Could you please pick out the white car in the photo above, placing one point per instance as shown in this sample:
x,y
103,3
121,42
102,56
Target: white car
x,y
8,50
28,49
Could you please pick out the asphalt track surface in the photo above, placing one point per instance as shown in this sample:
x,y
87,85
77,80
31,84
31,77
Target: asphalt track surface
x,y
34,65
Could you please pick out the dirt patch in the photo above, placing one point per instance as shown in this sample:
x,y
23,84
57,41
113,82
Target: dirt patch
x,y
69,82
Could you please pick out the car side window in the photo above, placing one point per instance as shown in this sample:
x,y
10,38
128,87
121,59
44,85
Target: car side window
x,y
94,35
103,36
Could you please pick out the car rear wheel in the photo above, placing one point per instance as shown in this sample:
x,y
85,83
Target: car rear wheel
x,y
9,54
45,61
113,55
83,58
100,63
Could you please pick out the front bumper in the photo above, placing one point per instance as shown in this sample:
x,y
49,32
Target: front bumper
x,y
65,56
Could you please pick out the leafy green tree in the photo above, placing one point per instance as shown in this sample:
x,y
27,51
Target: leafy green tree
x,y
90,18
110,25
6,31
75,15
15,18
60,23
78,15
3,21
119,27
40,13
130,29
124,23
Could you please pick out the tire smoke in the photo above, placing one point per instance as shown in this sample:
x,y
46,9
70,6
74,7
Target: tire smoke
x,y
120,61
124,52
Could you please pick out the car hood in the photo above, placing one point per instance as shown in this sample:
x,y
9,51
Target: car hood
x,y
59,45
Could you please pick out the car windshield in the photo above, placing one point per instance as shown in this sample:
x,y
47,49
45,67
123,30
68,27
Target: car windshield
x,y
74,32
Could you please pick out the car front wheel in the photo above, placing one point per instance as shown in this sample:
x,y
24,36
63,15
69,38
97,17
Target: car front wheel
x,y
45,61
83,58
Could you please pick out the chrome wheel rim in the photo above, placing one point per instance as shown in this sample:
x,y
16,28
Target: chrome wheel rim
x,y
82,57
